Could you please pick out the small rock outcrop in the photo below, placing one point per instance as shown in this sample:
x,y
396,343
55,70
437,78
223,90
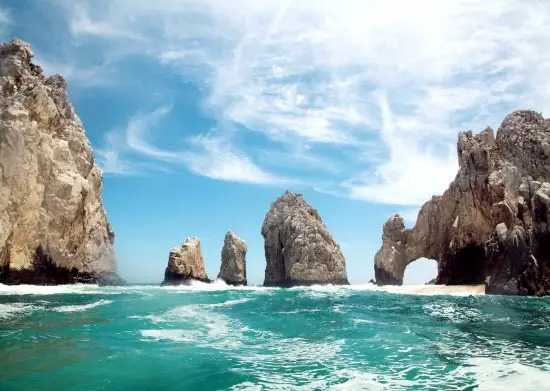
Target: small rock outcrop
x,y
53,228
492,224
299,250
233,267
185,263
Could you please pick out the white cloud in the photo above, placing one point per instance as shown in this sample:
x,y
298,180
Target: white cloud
x,y
385,84
219,160
136,134
111,163
409,174
123,153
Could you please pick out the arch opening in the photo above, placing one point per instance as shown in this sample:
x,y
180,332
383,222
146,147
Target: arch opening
x,y
420,271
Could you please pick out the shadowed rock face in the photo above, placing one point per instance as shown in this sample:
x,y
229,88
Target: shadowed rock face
x,y
491,224
299,250
53,228
185,263
233,267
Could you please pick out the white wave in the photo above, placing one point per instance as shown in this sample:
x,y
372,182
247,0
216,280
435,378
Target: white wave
x,y
80,308
50,289
229,303
453,312
365,381
314,291
12,309
176,335
200,324
298,311
364,321
496,375
218,285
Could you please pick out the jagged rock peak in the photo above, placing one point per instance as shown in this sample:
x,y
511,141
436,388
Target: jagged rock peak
x,y
54,227
299,249
233,266
491,225
185,263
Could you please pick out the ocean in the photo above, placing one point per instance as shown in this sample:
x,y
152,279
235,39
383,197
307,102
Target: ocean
x,y
215,337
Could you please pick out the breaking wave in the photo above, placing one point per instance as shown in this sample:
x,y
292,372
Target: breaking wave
x,y
79,308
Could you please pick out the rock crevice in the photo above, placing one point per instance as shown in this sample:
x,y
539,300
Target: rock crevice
x,y
492,224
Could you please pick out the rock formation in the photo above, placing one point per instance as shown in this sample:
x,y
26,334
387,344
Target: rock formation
x,y
492,224
53,228
299,250
185,263
233,267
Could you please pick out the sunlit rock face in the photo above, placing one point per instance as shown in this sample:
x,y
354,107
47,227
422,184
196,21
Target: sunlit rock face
x,y
53,228
491,224
299,250
185,264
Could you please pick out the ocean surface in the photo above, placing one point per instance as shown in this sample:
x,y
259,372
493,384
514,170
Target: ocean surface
x,y
212,337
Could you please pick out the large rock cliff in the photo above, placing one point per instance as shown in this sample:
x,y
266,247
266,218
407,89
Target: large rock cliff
x,y
53,228
492,224
299,250
185,263
233,266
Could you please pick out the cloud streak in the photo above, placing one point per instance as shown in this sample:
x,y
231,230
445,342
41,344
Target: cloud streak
x,y
208,155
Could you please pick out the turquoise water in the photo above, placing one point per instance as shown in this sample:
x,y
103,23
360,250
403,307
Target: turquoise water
x,y
320,338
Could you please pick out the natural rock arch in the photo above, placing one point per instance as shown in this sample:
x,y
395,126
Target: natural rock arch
x,y
492,224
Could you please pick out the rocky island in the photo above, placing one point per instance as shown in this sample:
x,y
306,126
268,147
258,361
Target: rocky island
x,y
53,228
299,250
233,266
492,224
185,263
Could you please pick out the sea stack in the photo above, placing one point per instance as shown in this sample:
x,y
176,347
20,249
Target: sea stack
x,y
299,250
233,267
492,224
185,263
53,228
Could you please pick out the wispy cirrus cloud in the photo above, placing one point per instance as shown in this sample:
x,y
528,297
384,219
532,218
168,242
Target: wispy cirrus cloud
x,y
218,159
124,151
383,86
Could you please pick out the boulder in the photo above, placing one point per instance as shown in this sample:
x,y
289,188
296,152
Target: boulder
x,y
53,227
299,250
185,263
233,266
491,225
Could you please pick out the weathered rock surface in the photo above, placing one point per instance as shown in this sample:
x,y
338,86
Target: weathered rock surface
x,y
299,250
185,263
53,228
492,224
233,267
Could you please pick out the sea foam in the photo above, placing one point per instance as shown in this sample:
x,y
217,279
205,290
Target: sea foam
x,y
12,309
80,308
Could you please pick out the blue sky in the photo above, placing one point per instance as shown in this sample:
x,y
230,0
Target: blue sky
x,y
202,112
